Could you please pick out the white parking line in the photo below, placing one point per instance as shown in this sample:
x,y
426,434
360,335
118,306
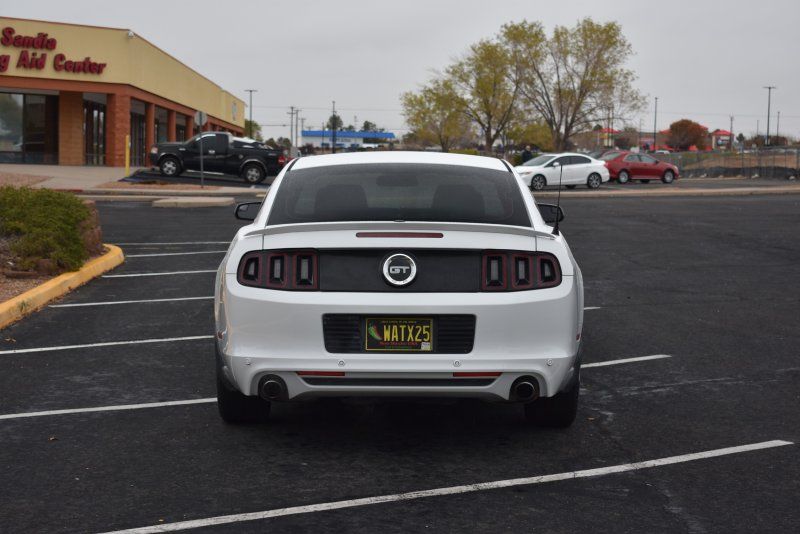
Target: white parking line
x,y
453,490
626,360
108,408
111,302
104,344
163,244
132,275
590,308
175,254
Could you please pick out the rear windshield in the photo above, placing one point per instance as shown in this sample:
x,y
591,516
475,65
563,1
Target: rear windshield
x,y
399,192
537,161
608,156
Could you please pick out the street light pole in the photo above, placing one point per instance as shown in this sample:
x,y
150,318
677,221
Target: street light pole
x,y
333,129
655,128
250,128
769,89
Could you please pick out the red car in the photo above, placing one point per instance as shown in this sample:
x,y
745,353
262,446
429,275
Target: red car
x,y
624,166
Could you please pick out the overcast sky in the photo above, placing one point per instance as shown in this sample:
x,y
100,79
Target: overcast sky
x,y
703,59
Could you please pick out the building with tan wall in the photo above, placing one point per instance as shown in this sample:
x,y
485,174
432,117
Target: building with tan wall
x,y
73,94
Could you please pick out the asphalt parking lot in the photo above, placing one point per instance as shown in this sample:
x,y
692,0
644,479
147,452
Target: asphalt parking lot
x,y
705,286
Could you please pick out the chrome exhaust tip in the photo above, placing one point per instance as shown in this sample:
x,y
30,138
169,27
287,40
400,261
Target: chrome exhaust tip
x,y
524,389
272,388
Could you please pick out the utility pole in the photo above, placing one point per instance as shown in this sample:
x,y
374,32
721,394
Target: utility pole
x,y
778,126
769,89
291,124
655,129
302,127
296,130
251,91
730,139
333,129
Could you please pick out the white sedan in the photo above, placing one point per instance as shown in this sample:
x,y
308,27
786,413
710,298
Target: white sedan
x,y
399,274
571,169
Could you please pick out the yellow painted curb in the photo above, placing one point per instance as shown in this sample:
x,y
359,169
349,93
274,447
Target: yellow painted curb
x,y
33,299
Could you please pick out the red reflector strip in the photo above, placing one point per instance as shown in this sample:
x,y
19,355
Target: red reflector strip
x,y
320,373
475,374
433,235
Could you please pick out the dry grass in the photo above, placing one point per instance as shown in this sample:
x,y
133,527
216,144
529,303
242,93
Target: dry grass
x,y
20,180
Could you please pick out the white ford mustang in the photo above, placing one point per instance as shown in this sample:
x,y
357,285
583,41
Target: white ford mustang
x,y
400,274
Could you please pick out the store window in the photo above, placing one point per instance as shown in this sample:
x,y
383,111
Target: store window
x,y
138,149
28,128
180,127
161,125
94,132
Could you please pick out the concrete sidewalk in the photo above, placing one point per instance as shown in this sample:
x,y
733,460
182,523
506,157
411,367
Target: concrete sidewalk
x,y
95,181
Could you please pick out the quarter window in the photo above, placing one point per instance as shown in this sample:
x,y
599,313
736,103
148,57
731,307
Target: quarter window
x,y
632,158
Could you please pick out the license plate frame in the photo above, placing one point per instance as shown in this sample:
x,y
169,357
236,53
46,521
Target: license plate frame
x,y
404,334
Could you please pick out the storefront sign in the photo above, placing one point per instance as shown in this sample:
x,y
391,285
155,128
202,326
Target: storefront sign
x,y
34,55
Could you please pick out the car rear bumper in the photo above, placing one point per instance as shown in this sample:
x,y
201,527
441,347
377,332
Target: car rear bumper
x,y
518,334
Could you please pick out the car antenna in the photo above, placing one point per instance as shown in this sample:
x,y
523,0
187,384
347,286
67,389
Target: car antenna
x,y
558,200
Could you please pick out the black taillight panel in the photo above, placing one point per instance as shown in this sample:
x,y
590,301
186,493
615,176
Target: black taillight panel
x,y
289,270
519,271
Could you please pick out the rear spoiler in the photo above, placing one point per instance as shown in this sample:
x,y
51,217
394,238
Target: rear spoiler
x,y
399,226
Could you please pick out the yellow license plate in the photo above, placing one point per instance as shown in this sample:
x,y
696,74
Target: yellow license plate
x,y
401,334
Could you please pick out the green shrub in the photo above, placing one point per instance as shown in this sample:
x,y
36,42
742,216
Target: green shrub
x,y
44,225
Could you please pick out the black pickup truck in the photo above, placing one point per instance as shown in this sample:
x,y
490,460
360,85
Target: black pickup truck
x,y
223,153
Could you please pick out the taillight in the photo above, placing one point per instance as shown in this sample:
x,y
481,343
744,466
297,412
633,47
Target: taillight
x,y
519,271
281,160
291,270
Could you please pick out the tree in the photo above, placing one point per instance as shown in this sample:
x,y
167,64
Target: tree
x,y
574,78
369,127
349,128
435,115
487,94
533,133
253,130
334,122
686,133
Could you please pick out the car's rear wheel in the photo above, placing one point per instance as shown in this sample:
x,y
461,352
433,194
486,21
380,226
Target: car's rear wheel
x,y
170,166
253,173
668,177
594,181
237,408
623,177
558,411
538,182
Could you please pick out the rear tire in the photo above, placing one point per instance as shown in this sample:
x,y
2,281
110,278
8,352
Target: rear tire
x,y
623,177
253,173
558,411
170,166
235,408
668,177
594,181
538,182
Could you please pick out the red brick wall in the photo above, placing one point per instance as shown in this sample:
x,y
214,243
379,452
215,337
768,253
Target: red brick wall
x,y
70,128
118,125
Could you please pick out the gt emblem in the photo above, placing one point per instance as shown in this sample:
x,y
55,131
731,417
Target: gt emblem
x,y
399,269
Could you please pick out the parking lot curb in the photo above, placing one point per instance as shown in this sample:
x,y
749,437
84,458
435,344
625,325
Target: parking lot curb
x,y
193,202
227,192
18,307
733,191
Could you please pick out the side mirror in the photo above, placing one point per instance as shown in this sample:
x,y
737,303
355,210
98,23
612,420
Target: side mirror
x,y
247,211
551,213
